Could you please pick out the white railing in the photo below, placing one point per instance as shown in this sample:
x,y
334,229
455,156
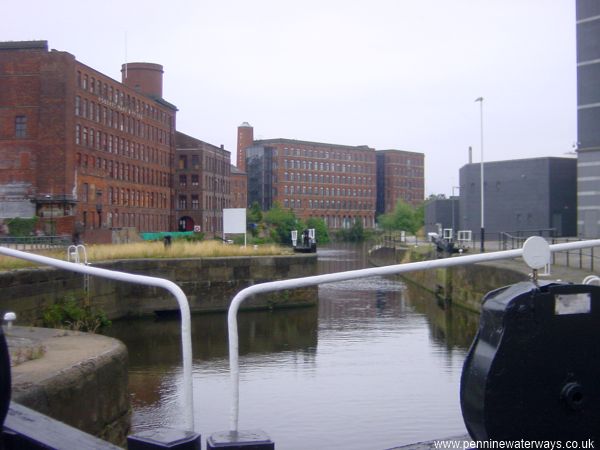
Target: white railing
x,y
186,336
349,275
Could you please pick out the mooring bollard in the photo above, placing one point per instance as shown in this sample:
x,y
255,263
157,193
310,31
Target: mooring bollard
x,y
240,440
164,438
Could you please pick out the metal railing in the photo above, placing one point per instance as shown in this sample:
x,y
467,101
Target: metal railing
x,y
186,336
350,275
34,242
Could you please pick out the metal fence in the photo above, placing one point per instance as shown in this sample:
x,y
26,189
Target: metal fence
x,y
35,242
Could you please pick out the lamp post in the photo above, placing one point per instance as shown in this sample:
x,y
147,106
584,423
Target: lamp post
x,y
482,249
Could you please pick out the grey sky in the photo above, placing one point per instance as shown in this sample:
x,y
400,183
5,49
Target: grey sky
x,y
386,73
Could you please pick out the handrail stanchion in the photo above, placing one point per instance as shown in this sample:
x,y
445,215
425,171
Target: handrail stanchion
x,y
186,336
344,276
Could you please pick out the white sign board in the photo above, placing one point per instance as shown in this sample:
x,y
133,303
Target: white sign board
x,y
234,220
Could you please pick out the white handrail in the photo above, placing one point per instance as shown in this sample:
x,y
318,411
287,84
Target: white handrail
x,y
349,275
186,337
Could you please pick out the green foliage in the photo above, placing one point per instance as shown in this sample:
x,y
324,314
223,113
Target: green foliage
x,y
281,222
69,314
19,227
404,217
320,229
254,217
356,233
196,237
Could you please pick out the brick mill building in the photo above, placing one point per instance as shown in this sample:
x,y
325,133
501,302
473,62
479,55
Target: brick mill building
x,y
400,176
337,183
81,150
239,188
203,185
333,182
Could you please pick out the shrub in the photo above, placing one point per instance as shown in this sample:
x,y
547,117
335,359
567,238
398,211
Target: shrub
x,y
69,314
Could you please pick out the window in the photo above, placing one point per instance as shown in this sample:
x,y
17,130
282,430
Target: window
x,y
20,126
182,180
195,202
182,203
77,105
194,180
182,162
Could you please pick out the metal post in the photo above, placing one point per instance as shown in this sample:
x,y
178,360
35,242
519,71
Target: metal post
x,y
482,249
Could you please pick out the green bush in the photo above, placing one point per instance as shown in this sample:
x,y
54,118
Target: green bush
x,y
69,314
19,227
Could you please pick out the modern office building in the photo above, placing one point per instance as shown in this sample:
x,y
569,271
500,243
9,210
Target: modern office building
x,y
523,195
588,118
80,150
400,176
442,213
202,185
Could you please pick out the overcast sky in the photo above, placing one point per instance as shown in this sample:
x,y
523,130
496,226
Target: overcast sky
x,y
399,74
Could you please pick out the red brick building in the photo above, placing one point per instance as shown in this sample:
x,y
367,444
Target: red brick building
x,y
239,188
203,185
400,176
81,150
333,182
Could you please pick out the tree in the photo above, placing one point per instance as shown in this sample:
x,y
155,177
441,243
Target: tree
x,y
253,218
320,229
403,217
281,223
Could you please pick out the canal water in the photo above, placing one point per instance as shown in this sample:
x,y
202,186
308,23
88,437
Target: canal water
x,y
376,365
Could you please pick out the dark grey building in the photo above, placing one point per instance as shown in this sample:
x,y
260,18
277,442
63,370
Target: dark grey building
x,y
261,169
441,212
588,118
520,195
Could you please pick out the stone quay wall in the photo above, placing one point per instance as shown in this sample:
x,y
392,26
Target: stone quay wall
x,y
209,284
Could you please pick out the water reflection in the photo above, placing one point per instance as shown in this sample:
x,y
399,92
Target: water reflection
x,y
375,365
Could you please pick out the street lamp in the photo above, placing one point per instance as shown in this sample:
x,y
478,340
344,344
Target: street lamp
x,y
482,249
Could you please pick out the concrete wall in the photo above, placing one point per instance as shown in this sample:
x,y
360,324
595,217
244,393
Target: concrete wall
x,y
209,284
80,379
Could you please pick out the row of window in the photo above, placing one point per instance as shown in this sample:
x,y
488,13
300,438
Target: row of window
x,y
124,197
343,156
211,183
325,166
120,98
124,171
120,121
327,192
100,140
326,204
210,202
211,164
407,171
334,179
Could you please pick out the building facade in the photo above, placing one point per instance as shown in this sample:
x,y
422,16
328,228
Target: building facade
x,y
333,182
203,185
88,152
400,176
239,188
526,195
588,118
337,183
442,213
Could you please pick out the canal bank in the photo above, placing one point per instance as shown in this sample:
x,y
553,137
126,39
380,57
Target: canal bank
x,y
209,284
465,286
77,378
